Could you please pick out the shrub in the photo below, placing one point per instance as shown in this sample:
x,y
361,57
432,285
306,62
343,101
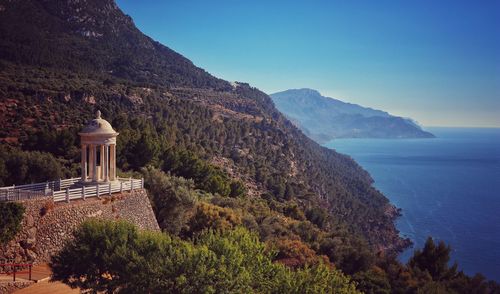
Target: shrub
x,y
350,257
237,189
47,207
317,216
209,216
172,199
205,175
373,280
296,254
11,216
293,210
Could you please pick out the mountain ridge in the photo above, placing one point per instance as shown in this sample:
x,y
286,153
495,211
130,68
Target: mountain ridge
x,y
173,102
98,38
325,118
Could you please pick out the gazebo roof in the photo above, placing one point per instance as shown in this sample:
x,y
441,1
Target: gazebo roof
x,y
98,126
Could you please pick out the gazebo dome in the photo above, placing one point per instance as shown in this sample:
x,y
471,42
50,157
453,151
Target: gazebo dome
x,y
98,126
98,151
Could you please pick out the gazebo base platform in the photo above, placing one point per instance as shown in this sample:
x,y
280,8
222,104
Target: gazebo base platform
x,y
93,183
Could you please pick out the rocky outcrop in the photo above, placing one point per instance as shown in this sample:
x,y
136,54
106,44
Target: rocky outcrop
x,y
47,225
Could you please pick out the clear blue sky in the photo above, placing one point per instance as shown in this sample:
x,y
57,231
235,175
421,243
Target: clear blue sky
x,y
435,61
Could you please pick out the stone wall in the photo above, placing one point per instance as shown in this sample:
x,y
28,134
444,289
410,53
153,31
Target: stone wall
x,y
10,287
47,225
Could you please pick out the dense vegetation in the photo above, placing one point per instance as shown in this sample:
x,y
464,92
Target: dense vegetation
x,y
215,156
115,257
188,212
205,245
11,215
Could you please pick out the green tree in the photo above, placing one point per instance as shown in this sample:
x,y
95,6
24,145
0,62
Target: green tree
x,y
217,183
434,260
11,216
4,173
145,151
172,198
98,257
237,189
373,281
114,257
24,167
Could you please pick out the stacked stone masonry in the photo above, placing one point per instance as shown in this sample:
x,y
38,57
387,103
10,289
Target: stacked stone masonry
x,y
11,287
47,225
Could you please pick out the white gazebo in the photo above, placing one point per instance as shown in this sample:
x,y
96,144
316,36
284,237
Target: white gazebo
x,y
98,152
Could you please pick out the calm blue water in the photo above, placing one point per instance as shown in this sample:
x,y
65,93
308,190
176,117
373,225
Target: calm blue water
x,y
448,188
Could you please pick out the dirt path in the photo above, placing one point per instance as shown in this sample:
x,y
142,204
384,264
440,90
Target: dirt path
x,y
48,288
41,273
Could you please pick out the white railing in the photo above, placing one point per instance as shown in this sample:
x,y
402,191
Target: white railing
x,y
52,185
62,190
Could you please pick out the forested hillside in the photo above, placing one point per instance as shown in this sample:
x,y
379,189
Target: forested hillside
x,y
63,60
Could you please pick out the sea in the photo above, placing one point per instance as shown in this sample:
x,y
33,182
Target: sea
x,y
448,187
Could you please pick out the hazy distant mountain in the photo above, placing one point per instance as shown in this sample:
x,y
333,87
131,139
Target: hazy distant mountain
x,y
323,118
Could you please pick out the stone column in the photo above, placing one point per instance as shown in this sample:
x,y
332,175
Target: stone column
x,y
101,168
114,161
84,162
106,163
111,162
94,163
91,161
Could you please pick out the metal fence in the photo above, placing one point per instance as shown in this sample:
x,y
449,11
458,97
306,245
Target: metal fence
x,y
66,190
16,269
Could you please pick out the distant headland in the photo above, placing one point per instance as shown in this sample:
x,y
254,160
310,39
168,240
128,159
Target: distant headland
x,y
324,118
